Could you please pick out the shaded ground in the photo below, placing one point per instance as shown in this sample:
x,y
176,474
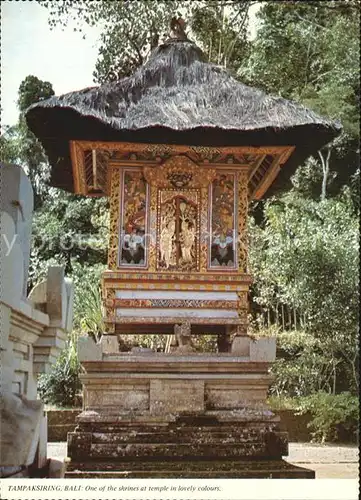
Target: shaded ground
x,y
328,460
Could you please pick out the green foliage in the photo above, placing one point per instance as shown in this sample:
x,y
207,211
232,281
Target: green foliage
x,y
306,257
131,29
309,51
220,28
88,310
33,90
334,417
62,386
19,145
72,230
302,365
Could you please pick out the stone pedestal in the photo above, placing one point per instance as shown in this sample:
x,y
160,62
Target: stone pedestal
x,y
171,415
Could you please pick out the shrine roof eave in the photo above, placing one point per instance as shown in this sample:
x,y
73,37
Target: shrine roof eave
x,y
176,97
306,139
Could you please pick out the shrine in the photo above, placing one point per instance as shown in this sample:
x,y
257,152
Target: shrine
x,y
180,148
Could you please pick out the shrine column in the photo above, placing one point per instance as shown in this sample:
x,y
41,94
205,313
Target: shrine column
x,y
240,343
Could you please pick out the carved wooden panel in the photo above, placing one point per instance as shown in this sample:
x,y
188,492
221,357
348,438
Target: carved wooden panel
x,y
178,230
179,172
114,219
134,217
223,232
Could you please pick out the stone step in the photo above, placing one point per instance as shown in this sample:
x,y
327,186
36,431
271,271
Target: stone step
x,y
130,437
193,469
227,427
179,450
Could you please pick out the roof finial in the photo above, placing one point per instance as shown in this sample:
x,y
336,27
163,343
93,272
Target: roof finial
x,y
177,28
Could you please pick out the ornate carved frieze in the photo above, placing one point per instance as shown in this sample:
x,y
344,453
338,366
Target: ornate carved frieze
x,y
92,178
175,303
211,277
179,172
171,320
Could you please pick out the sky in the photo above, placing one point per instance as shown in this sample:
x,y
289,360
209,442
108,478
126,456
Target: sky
x,y
30,47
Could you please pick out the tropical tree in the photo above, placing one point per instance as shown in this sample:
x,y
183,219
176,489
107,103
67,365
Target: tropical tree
x,y
19,145
309,51
130,30
306,258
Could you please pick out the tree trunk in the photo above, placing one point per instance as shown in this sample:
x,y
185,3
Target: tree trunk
x,y
295,318
325,162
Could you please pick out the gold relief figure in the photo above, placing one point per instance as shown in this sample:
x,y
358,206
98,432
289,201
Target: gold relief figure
x,y
187,236
167,243
178,230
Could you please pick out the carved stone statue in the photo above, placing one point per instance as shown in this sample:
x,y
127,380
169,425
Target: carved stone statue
x,y
177,27
183,338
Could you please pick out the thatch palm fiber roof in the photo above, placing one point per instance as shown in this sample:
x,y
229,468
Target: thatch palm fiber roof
x,y
176,97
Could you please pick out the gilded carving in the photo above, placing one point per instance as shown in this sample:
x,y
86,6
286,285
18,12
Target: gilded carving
x,y
133,248
179,172
155,150
152,246
223,230
187,235
167,239
242,221
175,303
178,230
138,154
119,276
243,299
114,219
171,320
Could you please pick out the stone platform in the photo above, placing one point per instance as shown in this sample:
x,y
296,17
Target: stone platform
x,y
212,444
167,415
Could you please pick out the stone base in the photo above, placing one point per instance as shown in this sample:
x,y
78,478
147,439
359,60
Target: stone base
x,y
177,416
205,469
191,446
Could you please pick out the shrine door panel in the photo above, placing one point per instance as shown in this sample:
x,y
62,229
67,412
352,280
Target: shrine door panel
x,y
178,228
223,233
134,220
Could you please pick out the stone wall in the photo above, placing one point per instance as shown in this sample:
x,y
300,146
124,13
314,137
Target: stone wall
x,y
33,331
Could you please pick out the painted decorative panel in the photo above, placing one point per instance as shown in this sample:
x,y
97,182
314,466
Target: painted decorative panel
x,y
222,224
133,237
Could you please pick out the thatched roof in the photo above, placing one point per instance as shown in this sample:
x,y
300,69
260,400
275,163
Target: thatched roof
x,y
180,98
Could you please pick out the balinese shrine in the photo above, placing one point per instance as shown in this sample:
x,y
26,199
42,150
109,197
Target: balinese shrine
x,y
180,148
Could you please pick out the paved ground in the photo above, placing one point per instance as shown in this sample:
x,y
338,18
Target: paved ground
x,y
328,461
